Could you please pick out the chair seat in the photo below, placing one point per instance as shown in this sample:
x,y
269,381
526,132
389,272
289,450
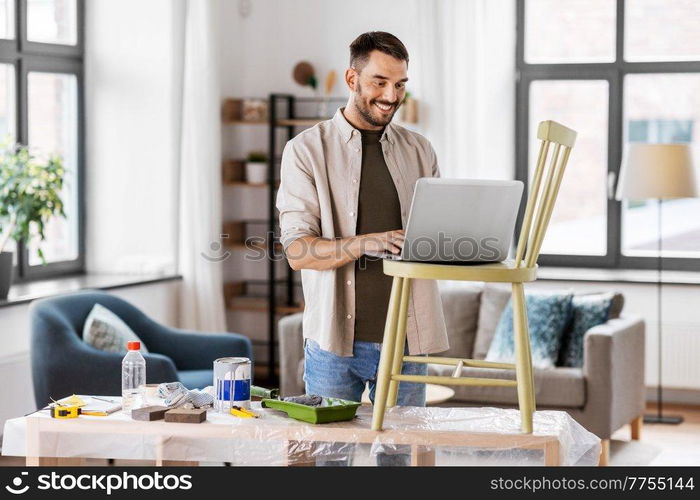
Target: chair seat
x,y
196,379
497,272
557,387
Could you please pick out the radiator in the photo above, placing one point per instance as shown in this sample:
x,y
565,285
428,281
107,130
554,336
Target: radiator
x,y
680,346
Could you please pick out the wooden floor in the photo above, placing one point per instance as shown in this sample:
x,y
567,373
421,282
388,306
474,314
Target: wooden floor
x,y
660,444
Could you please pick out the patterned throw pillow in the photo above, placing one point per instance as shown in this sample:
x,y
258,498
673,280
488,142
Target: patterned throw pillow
x,y
105,331
588,311
548,316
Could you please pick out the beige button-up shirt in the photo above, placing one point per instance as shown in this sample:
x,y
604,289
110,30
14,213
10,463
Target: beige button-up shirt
x,y
318,196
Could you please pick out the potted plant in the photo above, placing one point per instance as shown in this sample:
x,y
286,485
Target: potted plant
x,y
256,167
30,194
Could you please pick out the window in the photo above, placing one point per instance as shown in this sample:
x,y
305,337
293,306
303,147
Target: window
x,y
616,72
52,21
41,82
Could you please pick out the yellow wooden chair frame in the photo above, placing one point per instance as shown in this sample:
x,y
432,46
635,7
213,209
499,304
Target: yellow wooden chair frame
x,y
522,269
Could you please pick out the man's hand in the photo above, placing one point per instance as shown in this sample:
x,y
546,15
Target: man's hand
x,y
377,243
320,254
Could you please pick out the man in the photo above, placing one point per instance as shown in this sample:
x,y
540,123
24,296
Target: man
x,y
346,189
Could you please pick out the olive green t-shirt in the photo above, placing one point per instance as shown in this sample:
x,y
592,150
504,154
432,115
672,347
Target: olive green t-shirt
x,y
378,211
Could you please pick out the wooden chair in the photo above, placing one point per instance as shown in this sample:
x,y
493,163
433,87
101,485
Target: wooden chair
x,y
538,211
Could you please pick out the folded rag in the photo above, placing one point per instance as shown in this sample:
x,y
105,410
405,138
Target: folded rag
x,y
177,395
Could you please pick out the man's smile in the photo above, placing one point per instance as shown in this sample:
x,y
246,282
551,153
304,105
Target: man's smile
x,y
384,108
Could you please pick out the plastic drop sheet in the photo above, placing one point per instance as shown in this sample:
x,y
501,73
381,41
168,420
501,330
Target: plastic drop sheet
x,y
410,436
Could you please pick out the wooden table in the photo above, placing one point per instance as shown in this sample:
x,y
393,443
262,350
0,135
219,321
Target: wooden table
x,y
65,442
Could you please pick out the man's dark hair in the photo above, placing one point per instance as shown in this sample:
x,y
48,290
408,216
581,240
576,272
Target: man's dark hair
x,y
375,40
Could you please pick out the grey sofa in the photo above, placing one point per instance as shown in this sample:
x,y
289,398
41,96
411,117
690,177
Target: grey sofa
x,y
603,395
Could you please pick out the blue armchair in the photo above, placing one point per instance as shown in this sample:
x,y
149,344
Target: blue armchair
x,y
62,364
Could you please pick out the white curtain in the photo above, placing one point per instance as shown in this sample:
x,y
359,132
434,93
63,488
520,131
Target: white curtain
x,y
464,68
201,300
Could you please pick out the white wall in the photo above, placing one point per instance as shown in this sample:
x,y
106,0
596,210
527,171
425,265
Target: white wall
x,y
132,81
157,300
260,51
277,34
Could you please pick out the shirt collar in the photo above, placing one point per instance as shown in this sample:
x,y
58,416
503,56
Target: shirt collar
x,y
347,131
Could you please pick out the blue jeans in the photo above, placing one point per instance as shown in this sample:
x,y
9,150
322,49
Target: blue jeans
x,y
329,375
332,376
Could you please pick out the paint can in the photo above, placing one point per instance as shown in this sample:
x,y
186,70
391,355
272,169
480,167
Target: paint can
x,y
232,383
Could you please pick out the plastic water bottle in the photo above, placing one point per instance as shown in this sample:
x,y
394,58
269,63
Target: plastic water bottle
x,y
133,376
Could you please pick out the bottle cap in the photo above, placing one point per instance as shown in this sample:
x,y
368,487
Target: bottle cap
x,y
133,345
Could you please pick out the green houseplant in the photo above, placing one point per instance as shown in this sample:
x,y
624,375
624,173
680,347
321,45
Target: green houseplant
x,y
30,194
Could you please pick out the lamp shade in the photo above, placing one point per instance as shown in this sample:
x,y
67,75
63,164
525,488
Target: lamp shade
x,y
656,171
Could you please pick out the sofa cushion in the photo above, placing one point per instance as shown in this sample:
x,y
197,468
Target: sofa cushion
x,y
618,302
588,311
558,387
493,301
548,316
461,308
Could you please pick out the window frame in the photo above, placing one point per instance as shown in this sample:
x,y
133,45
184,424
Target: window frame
x,y
614,73
26,57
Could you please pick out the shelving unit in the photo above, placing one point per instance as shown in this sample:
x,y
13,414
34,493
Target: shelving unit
x,y
291,119
289,114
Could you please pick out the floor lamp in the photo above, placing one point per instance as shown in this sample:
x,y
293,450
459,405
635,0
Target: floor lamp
x,y
657,171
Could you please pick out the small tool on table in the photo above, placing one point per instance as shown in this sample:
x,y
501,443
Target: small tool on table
x,y
73,406
239,411
60,410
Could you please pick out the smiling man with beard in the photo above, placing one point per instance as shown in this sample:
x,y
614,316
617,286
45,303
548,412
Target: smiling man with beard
x,y
346,189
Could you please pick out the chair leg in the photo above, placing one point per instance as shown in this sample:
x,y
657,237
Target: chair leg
x,y
523,360
528,344
636,426
386,357
604,459
400,344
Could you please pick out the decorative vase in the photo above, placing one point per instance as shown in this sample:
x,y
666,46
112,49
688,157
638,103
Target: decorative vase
x,y
256,172
5,273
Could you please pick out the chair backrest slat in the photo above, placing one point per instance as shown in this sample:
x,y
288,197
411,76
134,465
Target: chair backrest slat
x,y
542,205
531,201
558,170
544,191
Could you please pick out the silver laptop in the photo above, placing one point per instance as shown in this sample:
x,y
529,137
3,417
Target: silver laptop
x,y
459,220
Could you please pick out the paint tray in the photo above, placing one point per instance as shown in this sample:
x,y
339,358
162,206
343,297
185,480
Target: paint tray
x,y
331,410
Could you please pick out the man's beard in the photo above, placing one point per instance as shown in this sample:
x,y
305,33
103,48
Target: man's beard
x,y
366,111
